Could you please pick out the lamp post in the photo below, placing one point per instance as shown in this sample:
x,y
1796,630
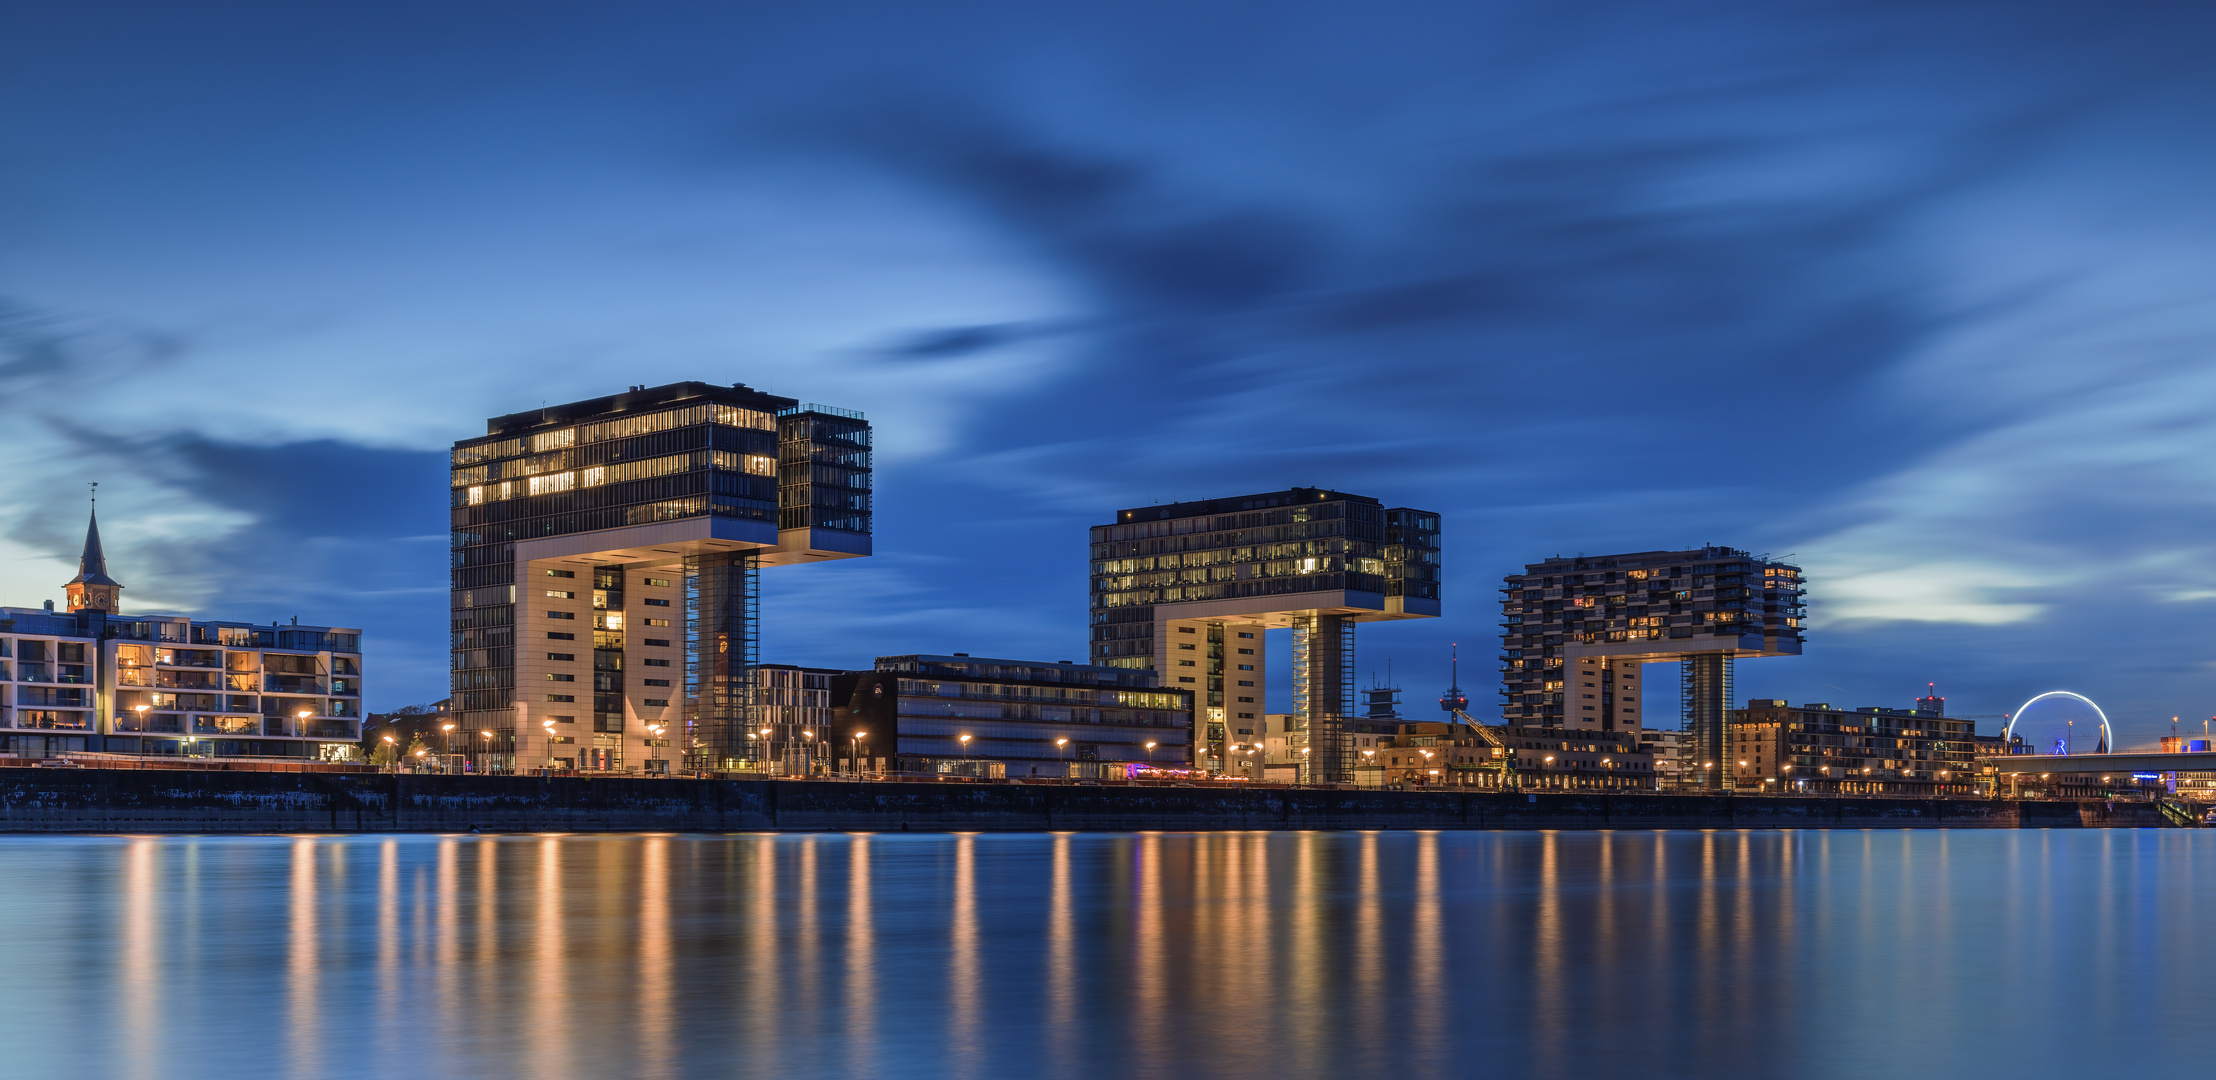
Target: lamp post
x,y
965,747
301,718
141,711
482,766
549,726
1058,745
808,750
854,752
389,741
446,750
1427,761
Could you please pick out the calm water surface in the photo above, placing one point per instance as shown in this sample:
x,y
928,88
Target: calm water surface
x,y
1816,953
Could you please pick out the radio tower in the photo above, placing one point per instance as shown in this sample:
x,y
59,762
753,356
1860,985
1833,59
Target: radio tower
x,y
1453,701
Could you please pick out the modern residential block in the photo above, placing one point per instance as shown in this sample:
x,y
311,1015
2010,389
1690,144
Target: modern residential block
x,y
1187,590
1575,632
1817,749
94,679
606,553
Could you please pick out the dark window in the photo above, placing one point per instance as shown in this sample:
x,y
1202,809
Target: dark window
x,y
657,603
657,701
556,635
561,614
561,678
655,663
561,573
663,642
561,656
656,682
561,697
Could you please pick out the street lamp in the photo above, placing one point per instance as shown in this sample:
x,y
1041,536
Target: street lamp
x,y
303,716
549,726
389,741
808,739
854,752
484,764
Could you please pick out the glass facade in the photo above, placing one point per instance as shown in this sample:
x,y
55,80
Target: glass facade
x,y
1280,544
651,455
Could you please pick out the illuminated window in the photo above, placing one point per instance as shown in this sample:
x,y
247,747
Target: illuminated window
x,y
549,484
476,494
657,582
553,440
593,477
561,595
657,622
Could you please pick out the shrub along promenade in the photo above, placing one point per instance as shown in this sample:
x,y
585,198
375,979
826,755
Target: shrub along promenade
x,y
97,800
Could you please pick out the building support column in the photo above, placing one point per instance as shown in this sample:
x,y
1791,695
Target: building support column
x,y
1705,696
1323,691
722,647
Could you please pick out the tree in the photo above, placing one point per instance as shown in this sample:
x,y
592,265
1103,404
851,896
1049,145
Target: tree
x,y
415,747
384,754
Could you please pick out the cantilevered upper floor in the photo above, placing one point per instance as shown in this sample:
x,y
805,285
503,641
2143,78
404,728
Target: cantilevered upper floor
x,y
1258,558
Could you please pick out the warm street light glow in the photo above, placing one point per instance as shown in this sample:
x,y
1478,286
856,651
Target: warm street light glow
x,y
807,734
965,741
446,727
486,734
1150,746
388,738
1061,742
140,708
303,714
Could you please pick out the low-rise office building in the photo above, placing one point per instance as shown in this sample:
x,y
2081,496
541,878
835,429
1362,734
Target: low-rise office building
x,y
981,716
94,679
1817,749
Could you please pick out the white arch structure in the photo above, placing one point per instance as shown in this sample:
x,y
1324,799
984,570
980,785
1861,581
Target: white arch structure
x,y
2108,738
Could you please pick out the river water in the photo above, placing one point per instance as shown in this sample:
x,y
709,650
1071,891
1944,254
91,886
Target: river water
x,y
1279,955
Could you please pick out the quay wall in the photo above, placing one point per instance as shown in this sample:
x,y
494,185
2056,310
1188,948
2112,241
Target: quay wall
x,y
185,801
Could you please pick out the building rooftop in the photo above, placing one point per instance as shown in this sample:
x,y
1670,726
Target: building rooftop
x,y
639,399
1235,503
986,667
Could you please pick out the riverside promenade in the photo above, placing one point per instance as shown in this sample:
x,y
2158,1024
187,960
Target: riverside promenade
x,y
91,800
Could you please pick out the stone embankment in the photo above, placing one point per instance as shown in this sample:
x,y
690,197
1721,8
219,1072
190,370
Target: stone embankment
x,y
180,801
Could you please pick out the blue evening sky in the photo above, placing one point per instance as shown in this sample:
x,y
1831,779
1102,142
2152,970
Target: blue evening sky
x,y
1919,294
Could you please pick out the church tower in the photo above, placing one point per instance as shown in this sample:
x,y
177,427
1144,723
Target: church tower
x,y
92,589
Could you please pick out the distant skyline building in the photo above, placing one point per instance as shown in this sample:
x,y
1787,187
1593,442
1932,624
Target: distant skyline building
x,y
606,551
94,679
1187,590
1576,632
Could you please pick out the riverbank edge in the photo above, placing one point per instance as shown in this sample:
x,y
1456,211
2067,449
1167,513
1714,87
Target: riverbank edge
x,y
180,801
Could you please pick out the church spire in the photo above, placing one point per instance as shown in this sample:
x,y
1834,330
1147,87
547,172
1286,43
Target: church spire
x,y
92,589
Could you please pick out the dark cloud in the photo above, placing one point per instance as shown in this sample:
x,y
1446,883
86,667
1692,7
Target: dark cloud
x,y
331,532
953,343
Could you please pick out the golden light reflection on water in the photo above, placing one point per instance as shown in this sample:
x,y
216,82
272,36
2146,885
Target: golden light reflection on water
x,y
1249,955
303,1019
1061,953
965,991
547,982
861,960
656,995
141,915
